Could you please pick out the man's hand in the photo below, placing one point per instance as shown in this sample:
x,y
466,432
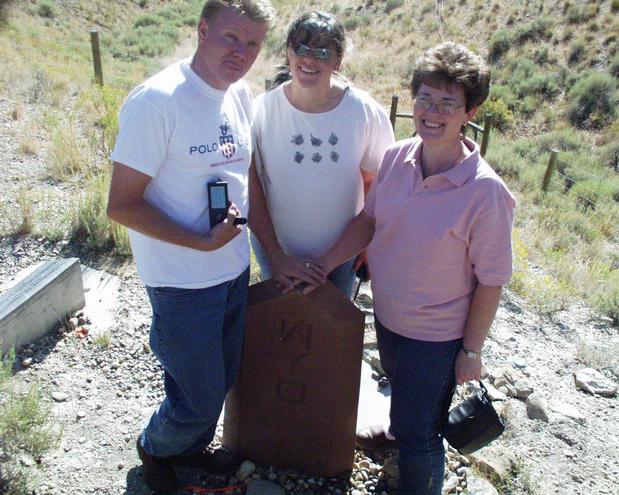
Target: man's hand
x,y
224,232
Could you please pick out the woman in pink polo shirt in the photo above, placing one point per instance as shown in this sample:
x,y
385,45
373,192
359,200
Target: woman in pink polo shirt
x,y
437,222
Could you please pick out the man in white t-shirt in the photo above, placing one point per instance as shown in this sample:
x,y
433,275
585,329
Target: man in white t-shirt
x,y
183,128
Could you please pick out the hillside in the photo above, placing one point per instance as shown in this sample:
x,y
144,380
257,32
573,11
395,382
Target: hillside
x,y
555,74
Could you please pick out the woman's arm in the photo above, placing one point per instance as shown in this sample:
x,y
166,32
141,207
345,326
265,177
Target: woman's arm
x,y
484,305
288,270
355,239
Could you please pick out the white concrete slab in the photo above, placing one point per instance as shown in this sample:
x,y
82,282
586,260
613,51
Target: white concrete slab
x,y
373,404
101,294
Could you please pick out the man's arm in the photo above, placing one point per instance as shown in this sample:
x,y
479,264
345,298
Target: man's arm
x,y
127,206
288,270
483,308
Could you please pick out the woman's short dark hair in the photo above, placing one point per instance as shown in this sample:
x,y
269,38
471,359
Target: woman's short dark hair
x,y
315,28
450,64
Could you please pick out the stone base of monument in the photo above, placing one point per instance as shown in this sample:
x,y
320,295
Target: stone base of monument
x,y
295,402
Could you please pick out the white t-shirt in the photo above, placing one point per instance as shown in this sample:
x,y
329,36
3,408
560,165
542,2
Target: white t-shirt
x,y
310,165
184,134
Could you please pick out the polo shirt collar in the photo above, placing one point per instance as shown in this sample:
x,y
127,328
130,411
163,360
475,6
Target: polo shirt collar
x,y
457,175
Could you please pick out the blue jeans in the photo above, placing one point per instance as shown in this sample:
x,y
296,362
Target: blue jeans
x,y
422,386
197,335
343,277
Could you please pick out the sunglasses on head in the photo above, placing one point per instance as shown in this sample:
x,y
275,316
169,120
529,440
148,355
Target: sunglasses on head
x,y
322,54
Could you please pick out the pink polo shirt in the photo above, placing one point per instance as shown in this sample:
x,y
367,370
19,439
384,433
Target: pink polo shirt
x,y
434,239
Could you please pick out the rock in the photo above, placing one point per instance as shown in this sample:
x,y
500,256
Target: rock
x,y
262,487
569,411
494,393
495,461
480,486
450,485
390,467
245,470
59,396
594,382
536,408
513,382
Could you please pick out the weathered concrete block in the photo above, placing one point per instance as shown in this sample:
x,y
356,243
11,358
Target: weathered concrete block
x,y
40,302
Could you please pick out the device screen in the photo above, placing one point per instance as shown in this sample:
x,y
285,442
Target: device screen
x,y
218,198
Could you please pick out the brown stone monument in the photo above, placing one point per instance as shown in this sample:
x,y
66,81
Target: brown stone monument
x,y
295,402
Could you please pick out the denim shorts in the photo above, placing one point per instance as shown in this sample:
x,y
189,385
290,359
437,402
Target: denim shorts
x,y
197,336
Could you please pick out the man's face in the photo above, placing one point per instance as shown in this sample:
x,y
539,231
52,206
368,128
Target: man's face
x,y
229,45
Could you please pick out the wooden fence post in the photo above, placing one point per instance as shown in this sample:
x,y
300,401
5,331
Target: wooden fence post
x,y
394,110
486,136
549,169
96,56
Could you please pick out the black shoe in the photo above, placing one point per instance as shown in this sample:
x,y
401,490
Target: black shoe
x,y
158,471
214,461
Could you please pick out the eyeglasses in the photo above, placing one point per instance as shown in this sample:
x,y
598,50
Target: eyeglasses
x,y
322,54
443,107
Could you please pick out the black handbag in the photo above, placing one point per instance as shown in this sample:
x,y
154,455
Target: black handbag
x,y
473,424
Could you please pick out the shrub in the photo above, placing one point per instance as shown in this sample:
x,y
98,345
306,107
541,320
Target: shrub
x,y
146,20
577,14
46,9
505,94
25,430
577,51
499,44
606,299
614,66
614,6
393,4
502,117
540,28
593,101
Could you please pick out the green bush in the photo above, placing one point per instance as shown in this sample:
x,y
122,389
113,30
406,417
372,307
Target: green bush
x,y
502,117
46,9
393,4
499,44
577,51
606,299
146,20
614,66
26,430
577,14
505,94
593,101
538,29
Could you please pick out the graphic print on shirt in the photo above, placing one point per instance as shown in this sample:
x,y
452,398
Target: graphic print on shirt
x,y
316,142
226,141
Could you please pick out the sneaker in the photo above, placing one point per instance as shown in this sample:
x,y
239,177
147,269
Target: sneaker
x,y
215,461
158,471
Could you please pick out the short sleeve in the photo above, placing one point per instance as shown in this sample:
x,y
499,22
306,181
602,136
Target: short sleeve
x,y
378,136
490,247
143,136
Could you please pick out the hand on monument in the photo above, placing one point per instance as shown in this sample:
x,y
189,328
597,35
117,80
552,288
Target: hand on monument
x,y
291,271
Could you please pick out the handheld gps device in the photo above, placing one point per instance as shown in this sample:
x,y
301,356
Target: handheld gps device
x,y
217,201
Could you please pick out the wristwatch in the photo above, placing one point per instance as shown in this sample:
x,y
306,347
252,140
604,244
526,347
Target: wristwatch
x,y
470,354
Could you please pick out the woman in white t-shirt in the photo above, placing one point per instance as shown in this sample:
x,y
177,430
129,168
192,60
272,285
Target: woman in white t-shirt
x,y
318,143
